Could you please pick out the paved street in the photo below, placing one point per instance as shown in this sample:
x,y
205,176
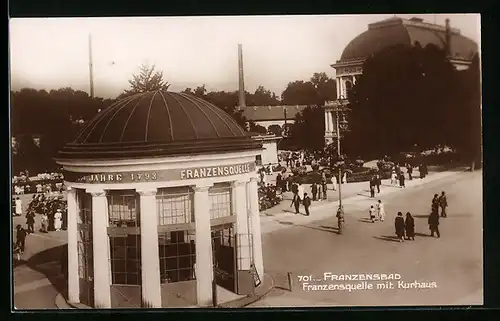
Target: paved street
x,y
303,246
310,246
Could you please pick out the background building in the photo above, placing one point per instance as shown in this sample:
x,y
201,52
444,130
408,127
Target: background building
x,y
390,32
162,199
272,115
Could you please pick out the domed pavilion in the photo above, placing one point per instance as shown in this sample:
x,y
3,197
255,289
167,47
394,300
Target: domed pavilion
x,y
387,33
162,205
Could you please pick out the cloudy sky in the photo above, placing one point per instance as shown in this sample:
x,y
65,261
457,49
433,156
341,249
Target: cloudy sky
x,y
53,53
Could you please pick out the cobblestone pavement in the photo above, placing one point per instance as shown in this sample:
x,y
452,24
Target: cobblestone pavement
x,y
311,246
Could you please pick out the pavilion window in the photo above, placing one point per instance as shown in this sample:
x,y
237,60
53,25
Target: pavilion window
x,y
85,250
124,237
220,200
176,234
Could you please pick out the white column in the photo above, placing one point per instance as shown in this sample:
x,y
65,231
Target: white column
x,y
353,80
256,234
330,121
240,200
327,129
338,83
72,222
150,260
204,268
102,279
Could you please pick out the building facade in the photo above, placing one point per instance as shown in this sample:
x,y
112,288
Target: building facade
x,y
272,115
162,205
387,33
269,154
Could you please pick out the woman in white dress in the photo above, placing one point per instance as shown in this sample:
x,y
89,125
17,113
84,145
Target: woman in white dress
x,y
381,211
58,220
394,178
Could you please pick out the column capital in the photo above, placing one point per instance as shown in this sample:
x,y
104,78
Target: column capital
x,y
149,191
238,183
201,188
96,192
254,180
70,189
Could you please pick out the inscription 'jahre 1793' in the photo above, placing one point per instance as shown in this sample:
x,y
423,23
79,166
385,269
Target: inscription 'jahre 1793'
x,y
160,175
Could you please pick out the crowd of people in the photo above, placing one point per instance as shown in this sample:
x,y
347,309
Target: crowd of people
x,y
41,183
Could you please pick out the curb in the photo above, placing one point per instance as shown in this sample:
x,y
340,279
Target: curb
x,y
261,291
266,286
63,304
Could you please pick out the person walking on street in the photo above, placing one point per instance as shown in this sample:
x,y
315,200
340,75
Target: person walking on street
x,y
434,223
372,187
324,188
372,214
435,204
410,171
399,224
381,211
307,203
394,178
401,180
421,171
378,182
410,226
314,191
443,203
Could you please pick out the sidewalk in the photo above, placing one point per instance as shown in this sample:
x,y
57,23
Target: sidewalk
x,y
356,196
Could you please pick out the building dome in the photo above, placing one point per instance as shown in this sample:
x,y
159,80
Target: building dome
x,y
158,123
398,31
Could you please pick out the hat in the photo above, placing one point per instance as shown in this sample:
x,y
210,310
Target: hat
x,y
58,210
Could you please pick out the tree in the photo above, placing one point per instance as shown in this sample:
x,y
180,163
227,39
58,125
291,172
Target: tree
x,y
325,86
261,97
56,117
300,93
403,98
148,79
256,128
308,130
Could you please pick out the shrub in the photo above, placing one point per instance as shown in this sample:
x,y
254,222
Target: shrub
x,y
302,170
315,167
362,176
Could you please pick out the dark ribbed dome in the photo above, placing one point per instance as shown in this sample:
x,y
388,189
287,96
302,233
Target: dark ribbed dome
x,y
398,31
158,123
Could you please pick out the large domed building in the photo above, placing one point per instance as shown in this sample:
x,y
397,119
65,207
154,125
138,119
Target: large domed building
x,y
162,201
390,32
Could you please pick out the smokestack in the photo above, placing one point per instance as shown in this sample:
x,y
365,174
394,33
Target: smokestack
x,y
241,77
91,70
448,39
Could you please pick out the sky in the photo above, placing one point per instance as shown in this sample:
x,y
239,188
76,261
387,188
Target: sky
x,y
51,53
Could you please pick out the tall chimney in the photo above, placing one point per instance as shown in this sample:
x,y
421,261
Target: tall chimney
x,y
241,77
91,69
448,39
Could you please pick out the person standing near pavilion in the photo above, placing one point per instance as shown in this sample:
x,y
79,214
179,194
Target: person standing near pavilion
x,y
19,207
381,211
43,222
20,238
58,220
30,221
399,224
443,203
409,168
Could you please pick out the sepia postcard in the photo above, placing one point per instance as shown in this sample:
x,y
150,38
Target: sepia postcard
x,y
246,161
